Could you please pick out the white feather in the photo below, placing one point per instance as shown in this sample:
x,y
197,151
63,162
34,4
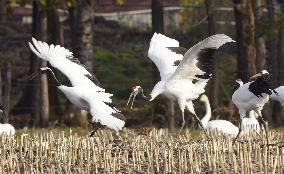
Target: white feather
x,y
57,57
162,57
7,129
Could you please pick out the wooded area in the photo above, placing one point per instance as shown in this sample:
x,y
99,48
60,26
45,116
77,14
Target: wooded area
x,y
117,55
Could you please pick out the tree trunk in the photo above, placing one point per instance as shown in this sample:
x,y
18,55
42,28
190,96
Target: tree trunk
x,y
278,117
272,55
2,20
210,4
242,67
35,63
158,26
81,24
44,99
250,38
271,39
44,111
82,32
259,40
7,78
2,10
54,36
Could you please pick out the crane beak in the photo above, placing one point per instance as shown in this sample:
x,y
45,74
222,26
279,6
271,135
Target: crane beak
x,y
133,95
255,76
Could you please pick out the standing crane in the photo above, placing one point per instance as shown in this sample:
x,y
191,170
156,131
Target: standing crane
x,y
250,122
184,73
83,93
253,96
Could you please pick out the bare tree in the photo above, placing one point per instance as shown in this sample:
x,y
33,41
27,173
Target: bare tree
x,y
250,38
54,36
39,93
277,117
158,26
272,59
259,40
81,23
210,4
242,62
6,71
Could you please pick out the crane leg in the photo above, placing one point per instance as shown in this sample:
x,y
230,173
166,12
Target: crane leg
x,y
183,122
240,130
201,125
262,122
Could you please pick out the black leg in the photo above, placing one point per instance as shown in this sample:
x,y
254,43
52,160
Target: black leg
x,y
240,130
201,125
94,131
262,122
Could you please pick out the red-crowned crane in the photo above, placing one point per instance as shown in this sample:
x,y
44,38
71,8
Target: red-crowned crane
x,y
184,73
83,93
249,123
253,96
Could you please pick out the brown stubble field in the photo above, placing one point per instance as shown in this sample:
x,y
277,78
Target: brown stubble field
x,y
140,151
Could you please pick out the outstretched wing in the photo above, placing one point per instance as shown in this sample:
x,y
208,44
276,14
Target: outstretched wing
x,y
197,62
63,60
165,59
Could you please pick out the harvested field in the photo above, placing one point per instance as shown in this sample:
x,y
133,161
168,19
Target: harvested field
x,y
154,151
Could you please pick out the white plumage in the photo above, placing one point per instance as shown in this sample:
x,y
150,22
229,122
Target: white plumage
x,y
223,126
83,93
6,128
251,123
179,68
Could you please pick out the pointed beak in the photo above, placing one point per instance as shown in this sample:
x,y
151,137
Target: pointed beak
x,y
130,96
255,76
32,76
133,95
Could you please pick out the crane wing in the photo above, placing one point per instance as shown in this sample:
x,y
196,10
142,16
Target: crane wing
x,y
197,62
63,60
105,113
165,59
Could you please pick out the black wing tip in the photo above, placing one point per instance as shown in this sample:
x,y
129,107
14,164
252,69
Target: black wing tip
x,y
204,76
176,63
206,60
119,116
178,50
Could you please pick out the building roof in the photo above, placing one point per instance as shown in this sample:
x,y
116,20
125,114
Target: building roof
x,y
110,6
104,6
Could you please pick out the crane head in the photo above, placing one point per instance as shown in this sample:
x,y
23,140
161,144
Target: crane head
x,y
261,73
239,81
